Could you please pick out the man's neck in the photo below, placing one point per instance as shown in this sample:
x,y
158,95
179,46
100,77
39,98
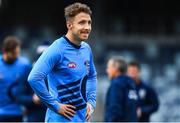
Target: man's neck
x,y
7,60
72,39
137,81
117,74
5,57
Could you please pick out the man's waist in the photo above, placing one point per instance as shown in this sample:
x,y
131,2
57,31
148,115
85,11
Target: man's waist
x,y
78,102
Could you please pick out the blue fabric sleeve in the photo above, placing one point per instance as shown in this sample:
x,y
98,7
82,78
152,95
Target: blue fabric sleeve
x,y
153,103
20,91
91,83
41,69
24,92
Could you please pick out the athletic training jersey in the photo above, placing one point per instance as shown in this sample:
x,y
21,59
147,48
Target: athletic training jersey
x,y
10,76
71,78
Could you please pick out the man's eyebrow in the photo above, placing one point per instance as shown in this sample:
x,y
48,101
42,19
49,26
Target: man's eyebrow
x,y
82,20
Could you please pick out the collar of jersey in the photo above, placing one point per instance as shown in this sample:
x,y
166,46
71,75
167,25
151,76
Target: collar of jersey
x,y
74,45
7,63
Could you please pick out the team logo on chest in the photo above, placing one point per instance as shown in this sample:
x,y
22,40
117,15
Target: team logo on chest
x,y
71,65
132,94
142,93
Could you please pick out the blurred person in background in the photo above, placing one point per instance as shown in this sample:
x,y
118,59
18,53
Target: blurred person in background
x,y
147,97
121,96
14,70
21,100
41,48
35,110
68,65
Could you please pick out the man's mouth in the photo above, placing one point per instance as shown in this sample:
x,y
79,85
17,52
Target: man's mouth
x,y
84,32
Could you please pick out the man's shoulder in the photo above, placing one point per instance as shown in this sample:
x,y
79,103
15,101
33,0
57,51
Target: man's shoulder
x,y
59,42
146,86
57,45
86,45
119,81
125,81
24,60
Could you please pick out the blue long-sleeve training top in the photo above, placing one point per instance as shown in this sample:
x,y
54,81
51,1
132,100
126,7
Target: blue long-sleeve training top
x,y
11,76
71,78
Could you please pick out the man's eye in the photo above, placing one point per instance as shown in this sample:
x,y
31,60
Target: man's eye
x,y
82,22
89,22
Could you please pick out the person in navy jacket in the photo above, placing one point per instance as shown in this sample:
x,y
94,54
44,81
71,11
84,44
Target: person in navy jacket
x,y
147,97
121,97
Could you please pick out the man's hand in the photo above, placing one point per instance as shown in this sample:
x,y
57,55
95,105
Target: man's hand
x,y
139,112
88,116
67,110
89,111
36,99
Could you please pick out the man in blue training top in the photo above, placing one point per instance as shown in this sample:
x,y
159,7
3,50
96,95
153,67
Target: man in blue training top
x,y
147,98
14,71
121,96
69,68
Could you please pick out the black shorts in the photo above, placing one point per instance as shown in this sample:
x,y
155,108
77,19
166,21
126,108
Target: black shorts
x,y
10,118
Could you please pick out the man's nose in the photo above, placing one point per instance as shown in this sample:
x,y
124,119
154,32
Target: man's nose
x,y
87,27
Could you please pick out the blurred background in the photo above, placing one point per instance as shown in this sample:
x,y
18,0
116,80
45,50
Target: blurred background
x,y
145,30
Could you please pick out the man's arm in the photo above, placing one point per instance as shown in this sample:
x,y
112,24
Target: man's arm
x,y
91,83
24,95
153,103
21,92
41,69
91,88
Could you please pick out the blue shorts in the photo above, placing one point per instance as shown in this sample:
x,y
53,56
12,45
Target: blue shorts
x,y
51,116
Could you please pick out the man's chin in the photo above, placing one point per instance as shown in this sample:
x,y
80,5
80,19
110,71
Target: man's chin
x,y
83,39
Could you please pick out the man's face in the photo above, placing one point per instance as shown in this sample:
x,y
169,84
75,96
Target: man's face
x,y
13,55
80,26
111,69
133,72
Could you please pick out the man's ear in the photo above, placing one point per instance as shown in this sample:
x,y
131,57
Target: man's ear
x,y
69,25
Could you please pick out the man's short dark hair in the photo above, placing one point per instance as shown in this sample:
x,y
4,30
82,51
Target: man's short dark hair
x,y
74,9
10,43
135,64
120,64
